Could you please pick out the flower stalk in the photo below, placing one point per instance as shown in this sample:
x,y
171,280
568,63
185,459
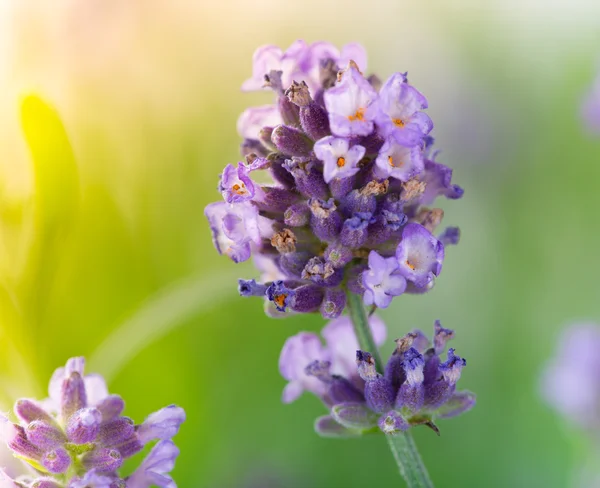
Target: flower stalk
x,y
401,444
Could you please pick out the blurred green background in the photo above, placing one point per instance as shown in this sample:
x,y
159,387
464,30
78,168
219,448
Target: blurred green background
x,y
105,252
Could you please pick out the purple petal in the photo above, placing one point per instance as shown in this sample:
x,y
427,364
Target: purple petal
x,y
382,280
327,426
265,59
163,424
459,402
351,105
155,469
95,388
354,52
236,186
420,255
253,119
339,159
398,160
342,344
354,416
234,228
298,351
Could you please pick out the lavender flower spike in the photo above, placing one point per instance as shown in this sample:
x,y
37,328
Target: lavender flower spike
x,y
348,173
342,221
79,439
382,281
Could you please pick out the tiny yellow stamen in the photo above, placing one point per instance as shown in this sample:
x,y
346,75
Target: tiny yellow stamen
x,y
341,162
280,300
359,115
398,122
393,165
411,266
239,189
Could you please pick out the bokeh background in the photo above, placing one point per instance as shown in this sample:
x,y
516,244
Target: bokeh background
x,y
104,250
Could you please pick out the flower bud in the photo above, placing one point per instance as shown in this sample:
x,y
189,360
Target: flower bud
x,y
354,231
289,111
83,426
326,221
265,137
28,411
250,288
333,304
297,215
378,391
412,394
56,461
104,459
73,396
45,435
291,141
111,406
307,298
115,432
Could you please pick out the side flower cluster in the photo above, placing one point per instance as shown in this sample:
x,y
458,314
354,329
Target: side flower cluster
x,y
354,179
78,437
417,387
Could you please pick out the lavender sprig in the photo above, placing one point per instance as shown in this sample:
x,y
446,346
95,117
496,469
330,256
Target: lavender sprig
x,y
347,221
78,437
353,180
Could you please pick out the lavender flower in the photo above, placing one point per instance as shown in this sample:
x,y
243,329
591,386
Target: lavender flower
x,y
382,281
417,388
401,113
78,438
339,159
419,255
301,62
336,357
351,176
571,380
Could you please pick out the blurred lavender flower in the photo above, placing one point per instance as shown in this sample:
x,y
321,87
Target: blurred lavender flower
x,y
591,107
571,380
353,180
77,438
417,387
337,353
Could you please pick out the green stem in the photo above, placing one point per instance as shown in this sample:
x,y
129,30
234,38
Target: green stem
x,y
402,445
362,329
409,461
